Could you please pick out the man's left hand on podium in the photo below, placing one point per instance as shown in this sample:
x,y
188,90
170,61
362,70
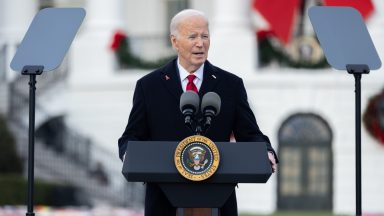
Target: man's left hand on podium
x,y
272,159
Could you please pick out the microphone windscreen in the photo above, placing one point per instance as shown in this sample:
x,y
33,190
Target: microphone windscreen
x,y
189,99
211,100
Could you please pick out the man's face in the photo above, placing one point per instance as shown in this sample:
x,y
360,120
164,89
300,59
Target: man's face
x,y
192,42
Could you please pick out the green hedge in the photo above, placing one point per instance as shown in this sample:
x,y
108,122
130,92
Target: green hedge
x,y
13,191
9,160
13,186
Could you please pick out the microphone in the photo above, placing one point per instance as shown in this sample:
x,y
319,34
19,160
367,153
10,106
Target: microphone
x,y
189,105
210,107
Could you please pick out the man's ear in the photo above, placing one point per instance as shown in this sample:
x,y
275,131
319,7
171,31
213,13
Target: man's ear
x,y
174,42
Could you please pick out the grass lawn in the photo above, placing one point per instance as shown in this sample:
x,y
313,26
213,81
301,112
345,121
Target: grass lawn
x,y
293,213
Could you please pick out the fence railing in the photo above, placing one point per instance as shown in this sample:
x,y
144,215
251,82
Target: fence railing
x,y
63,154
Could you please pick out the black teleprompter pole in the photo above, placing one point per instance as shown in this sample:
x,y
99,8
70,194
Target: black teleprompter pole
x,y
31,143
43,48
32,71
346,43
358,141
357,71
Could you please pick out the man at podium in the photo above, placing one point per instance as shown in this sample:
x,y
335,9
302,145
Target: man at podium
x,y
155,114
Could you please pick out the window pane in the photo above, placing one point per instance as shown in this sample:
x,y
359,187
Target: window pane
x,y
318,175
290,172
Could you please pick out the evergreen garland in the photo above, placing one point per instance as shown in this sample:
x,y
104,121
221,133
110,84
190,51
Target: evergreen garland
x,y
126,59
268,53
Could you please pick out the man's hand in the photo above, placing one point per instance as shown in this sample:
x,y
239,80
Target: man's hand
x,y
272,159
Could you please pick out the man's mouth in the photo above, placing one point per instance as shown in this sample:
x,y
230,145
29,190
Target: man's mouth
x,y
198,53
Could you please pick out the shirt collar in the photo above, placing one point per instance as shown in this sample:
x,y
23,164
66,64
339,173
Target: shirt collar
x,y
184,73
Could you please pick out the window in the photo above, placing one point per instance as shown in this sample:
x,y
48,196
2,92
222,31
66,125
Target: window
x,y
173,7
305,173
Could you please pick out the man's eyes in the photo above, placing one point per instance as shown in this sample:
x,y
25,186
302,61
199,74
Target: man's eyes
x,y
195,36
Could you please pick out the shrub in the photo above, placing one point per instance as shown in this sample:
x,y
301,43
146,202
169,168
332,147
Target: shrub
x,y
9,160
13,190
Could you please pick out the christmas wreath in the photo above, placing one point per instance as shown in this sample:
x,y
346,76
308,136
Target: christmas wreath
x,y
303,52
373,117
120,45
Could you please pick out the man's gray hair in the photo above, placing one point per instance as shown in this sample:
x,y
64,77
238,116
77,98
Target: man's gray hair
x,y
179,17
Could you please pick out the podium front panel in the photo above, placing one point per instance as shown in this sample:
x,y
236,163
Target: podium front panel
x,y
153,161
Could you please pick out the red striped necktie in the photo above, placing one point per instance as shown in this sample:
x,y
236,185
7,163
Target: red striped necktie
x,y
190,85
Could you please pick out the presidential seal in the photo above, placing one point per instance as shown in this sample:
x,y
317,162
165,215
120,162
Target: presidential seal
x,y
197,158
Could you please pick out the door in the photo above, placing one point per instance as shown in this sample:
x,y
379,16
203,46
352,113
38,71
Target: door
x,y
305,169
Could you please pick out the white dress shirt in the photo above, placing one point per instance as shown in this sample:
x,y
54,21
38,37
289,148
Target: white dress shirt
x,y
184,74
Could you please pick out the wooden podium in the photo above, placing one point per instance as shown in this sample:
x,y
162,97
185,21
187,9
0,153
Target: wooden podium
x,y
153,161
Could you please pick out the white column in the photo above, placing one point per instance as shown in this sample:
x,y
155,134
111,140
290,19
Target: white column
x,y
15,20
104,15
376,27
2,19
234,48
91,57
233,39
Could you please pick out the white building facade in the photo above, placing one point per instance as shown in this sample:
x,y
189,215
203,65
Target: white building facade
x,y
320,166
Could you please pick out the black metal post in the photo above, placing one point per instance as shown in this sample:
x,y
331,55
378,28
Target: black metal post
x,y
31,143
358,141
357,70
32,71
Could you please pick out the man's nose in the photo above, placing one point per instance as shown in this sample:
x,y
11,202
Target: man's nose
x,y
199,42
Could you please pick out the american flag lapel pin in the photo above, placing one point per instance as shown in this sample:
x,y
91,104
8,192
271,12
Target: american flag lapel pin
x,y
167,77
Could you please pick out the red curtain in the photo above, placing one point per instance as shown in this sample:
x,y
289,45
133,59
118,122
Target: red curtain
x,y
365,7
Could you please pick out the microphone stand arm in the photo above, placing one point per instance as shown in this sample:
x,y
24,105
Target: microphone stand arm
x,y
199,130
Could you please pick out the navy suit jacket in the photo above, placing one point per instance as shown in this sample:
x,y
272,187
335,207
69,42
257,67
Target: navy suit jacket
x,y
156,115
